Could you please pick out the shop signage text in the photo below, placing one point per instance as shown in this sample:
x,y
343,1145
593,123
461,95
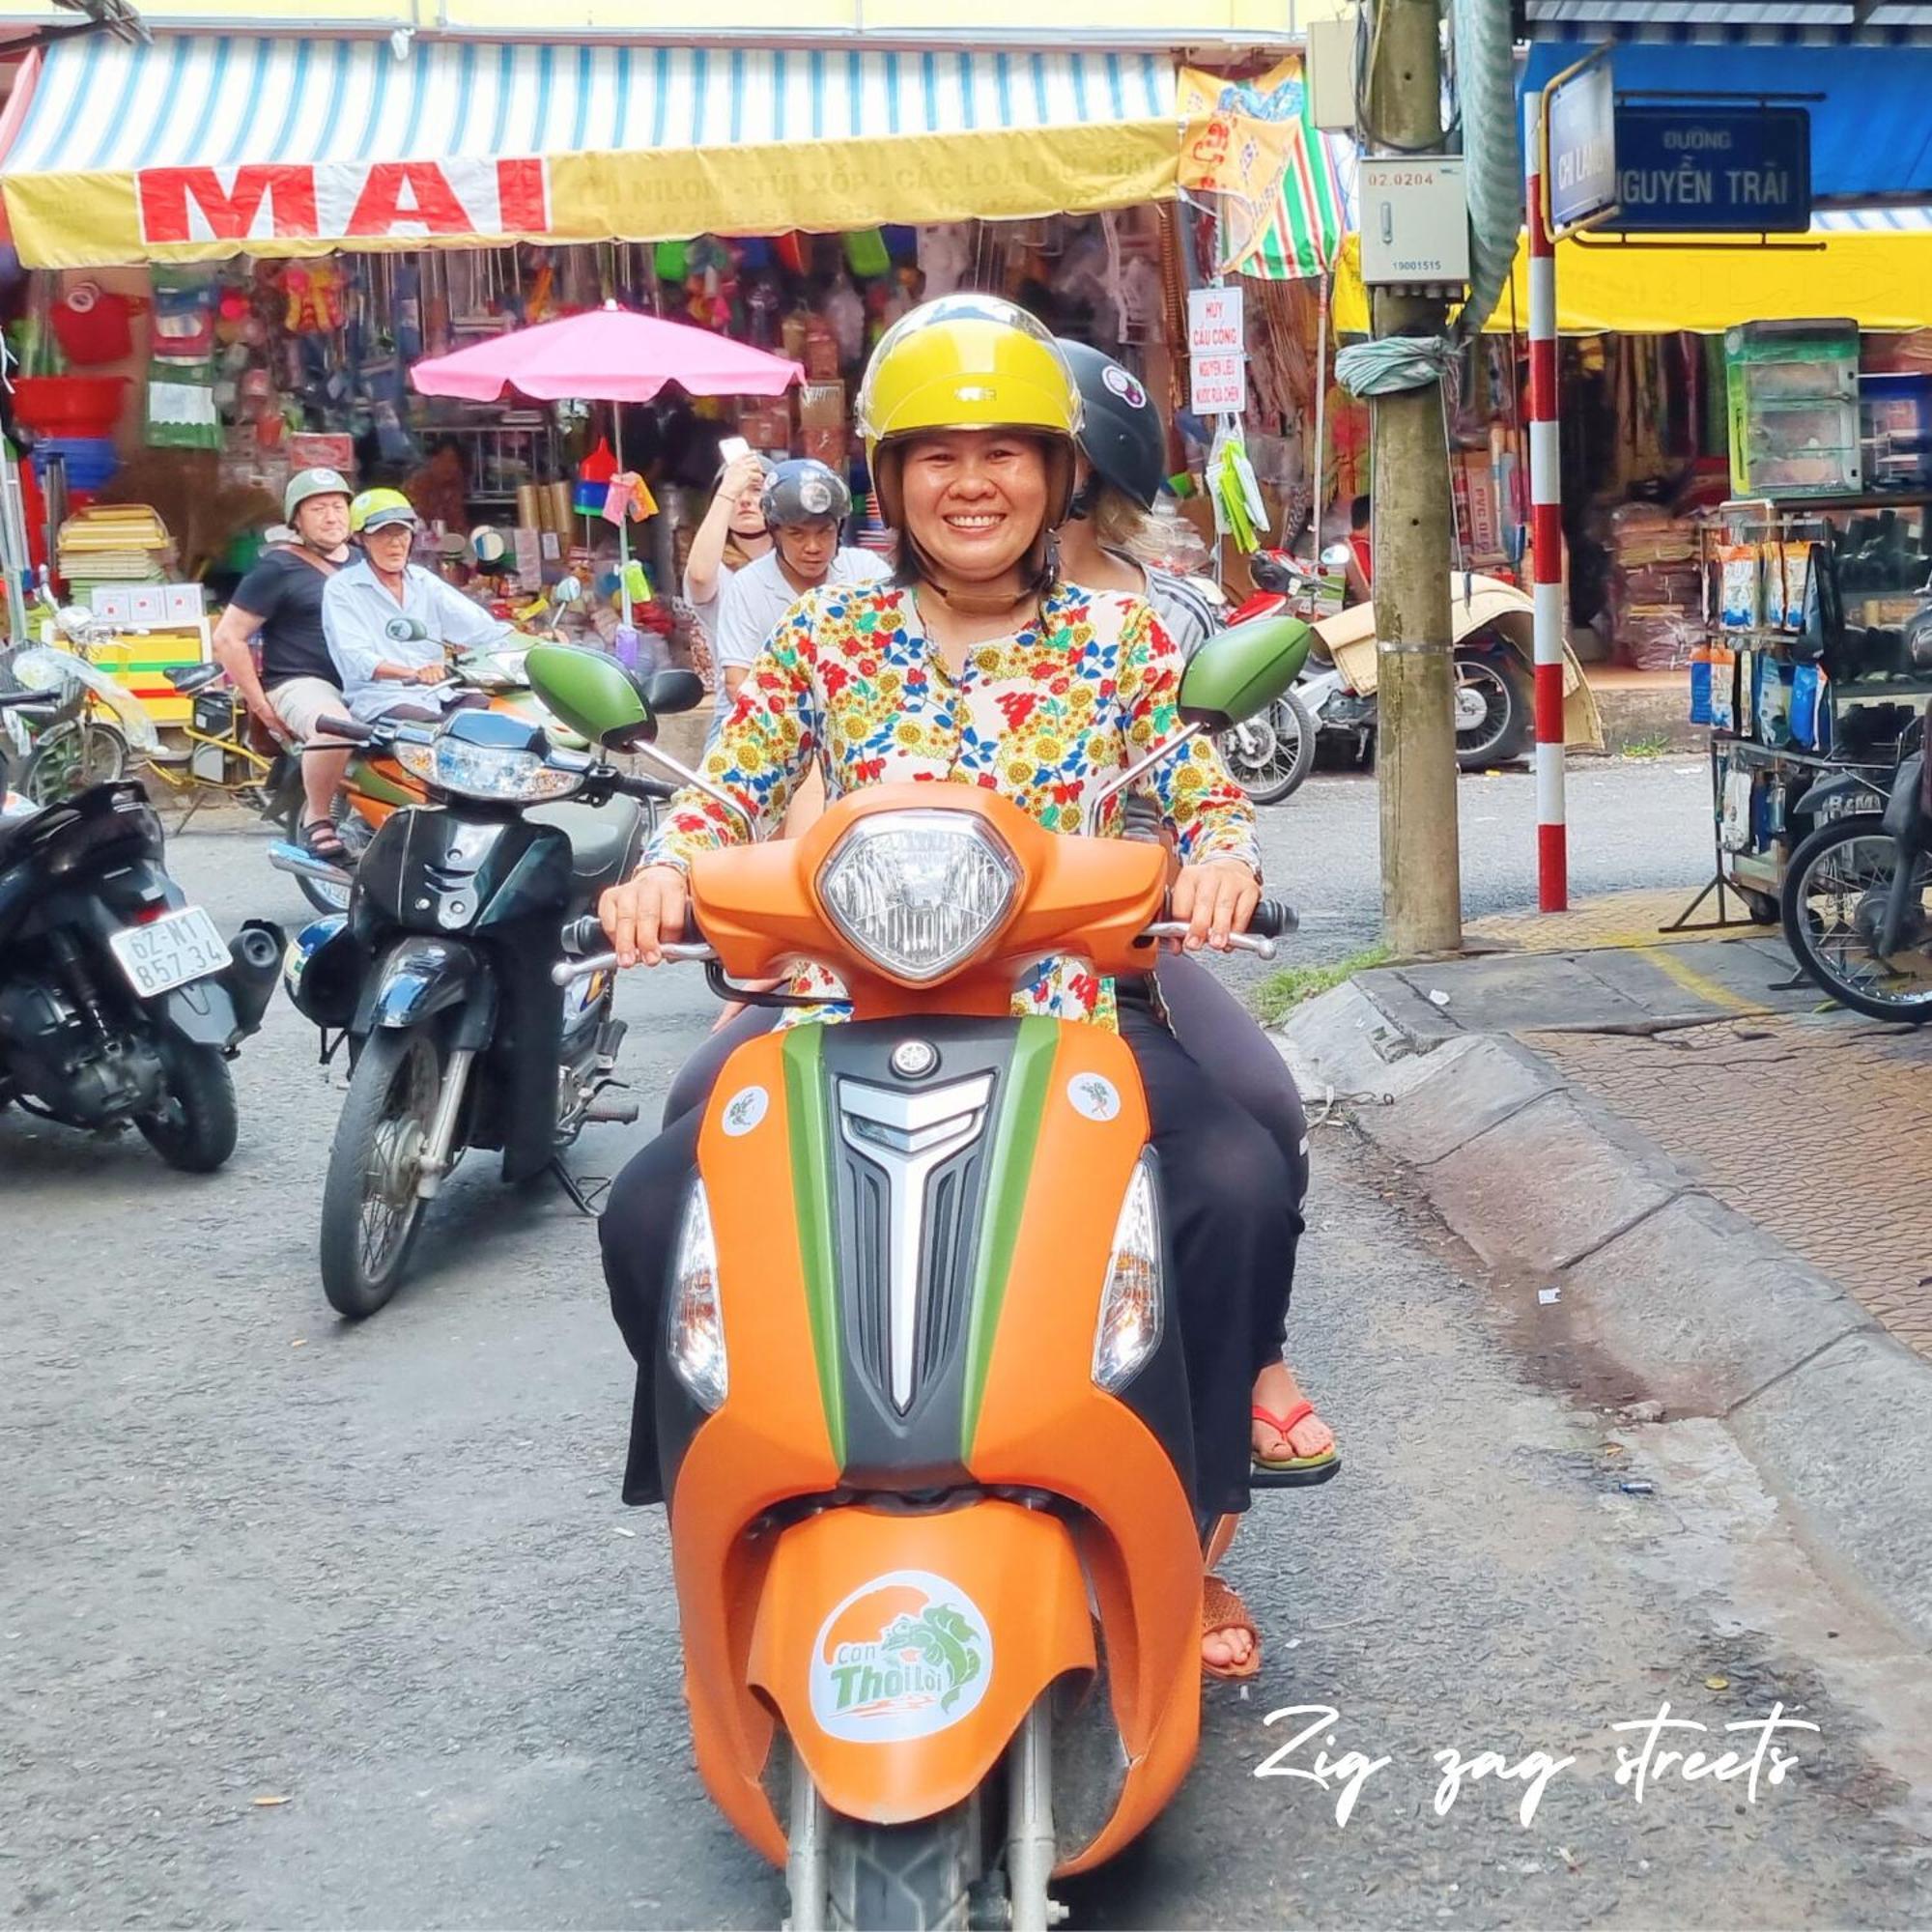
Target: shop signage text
x,y
1580,128
1720,170
344,200
1217,352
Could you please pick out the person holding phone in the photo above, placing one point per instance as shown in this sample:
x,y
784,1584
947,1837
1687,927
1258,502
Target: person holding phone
x,y
733,534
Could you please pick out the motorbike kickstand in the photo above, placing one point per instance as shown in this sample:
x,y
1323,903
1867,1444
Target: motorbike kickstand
x,y
588,1204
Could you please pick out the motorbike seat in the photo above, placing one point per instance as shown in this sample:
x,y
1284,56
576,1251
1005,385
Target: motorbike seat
x,y
194,677
605,839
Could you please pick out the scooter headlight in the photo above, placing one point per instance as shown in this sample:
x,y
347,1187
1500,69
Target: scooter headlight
x,y
919,893
695,1329
1130,1309
486,771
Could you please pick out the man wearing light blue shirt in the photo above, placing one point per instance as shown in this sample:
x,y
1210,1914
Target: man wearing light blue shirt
x,y
382,675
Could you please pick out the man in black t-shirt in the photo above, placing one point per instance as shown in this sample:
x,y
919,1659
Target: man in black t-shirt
x,y
280,600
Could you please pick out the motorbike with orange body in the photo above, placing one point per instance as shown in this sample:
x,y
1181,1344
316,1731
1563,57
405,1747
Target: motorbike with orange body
x,y
923,1416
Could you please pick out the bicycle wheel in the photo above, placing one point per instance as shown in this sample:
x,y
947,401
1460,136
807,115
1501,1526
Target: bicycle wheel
x,y
70,757
1836,892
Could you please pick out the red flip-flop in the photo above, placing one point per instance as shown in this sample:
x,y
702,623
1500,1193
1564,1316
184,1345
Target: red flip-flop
x,y
1291,1470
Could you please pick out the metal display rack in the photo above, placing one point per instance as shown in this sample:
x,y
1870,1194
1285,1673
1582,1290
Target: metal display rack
x,y
1781,771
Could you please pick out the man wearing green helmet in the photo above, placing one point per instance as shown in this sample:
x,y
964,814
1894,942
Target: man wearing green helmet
x,y
386,673
280,602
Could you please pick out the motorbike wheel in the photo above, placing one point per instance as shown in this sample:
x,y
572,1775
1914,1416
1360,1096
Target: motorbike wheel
x,y
902,1878
70,758
194,1131
1834,899
1268,756
1494,710
370,1207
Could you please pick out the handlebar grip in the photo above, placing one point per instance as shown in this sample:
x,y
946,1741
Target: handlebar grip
x,y
654,789
583,936
1274,919
350,729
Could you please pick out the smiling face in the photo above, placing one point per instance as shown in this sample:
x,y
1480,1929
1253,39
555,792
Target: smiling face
x,y
808,549
975,500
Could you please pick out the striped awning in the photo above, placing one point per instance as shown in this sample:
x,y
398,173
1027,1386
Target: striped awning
x,y
201,146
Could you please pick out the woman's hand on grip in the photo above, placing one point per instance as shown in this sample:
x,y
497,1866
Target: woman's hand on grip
x,y
645,914
1214,901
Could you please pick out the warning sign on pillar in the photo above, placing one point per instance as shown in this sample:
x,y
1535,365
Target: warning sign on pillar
x,y
1217,352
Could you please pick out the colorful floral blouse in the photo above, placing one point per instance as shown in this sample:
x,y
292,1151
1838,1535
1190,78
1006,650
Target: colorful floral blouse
x,y
849,680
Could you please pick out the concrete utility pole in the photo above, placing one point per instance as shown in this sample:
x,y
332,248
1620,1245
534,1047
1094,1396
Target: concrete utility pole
x,y
1422,893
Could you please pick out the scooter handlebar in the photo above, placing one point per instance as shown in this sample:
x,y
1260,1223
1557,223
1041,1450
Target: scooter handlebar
x,y
1274,919
352,729
583,935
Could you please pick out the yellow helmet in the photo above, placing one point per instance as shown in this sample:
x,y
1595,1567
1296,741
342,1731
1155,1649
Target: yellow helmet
x,y
374,509
967,361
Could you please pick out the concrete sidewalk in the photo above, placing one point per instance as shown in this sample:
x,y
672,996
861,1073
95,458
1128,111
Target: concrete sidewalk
x,y
1695,1176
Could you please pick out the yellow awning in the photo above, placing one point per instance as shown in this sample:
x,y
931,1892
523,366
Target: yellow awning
x,y
1882,279
206,145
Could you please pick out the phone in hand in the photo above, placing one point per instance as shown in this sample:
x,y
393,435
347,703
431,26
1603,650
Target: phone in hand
x,y
731,447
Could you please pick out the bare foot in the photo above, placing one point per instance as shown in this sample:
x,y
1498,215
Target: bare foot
x,y
1278,1392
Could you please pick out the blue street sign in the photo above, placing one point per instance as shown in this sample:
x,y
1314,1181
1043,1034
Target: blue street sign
x,y
1717,170
1580,122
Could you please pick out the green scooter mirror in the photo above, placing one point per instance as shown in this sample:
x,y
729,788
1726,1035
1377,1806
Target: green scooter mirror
x,y
405,630
1239,672
593,694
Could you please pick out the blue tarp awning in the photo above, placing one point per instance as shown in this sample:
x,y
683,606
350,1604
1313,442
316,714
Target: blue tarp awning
x,y
1871,133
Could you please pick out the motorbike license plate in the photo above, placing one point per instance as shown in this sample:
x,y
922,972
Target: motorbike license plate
x,y
175,949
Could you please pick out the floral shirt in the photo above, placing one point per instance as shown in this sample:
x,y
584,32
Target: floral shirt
x,y
849,680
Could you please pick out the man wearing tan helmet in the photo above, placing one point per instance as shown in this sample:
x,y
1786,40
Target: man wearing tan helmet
x,y
280,602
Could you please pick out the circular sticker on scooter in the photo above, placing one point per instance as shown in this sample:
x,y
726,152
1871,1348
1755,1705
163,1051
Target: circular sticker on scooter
x,y
1093,1096
745,1109
905,1656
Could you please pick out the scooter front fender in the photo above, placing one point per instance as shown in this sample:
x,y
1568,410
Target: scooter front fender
x,y
901,1651
419,978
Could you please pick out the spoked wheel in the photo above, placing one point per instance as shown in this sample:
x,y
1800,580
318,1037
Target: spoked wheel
x,y
1270,756
1493,712
193,1130
1836,892
70,757
370,1207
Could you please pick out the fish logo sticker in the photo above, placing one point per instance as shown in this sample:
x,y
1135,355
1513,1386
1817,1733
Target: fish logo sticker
x,y
906,1656
1093,1096
745,1109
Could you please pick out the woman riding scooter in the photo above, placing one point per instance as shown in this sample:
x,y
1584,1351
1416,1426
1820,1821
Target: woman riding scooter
x,y
980,665
1123,464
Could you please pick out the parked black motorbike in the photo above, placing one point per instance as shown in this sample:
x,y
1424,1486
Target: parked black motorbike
x,y
118,1002
439,974
1855,902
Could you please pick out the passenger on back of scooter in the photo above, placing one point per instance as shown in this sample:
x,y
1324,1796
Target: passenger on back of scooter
x,y
980,665
280,602
1123,466
385,676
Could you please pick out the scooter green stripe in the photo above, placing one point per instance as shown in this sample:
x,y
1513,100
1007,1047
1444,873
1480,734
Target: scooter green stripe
x,y
385,790
808,1109
1015,1140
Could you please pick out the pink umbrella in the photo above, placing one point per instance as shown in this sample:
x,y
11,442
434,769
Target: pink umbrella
x,y
607,354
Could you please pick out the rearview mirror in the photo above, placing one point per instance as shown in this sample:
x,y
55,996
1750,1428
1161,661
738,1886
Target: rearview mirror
x,y
405,630
593,694
669,692
1336,556
1237,673
566,590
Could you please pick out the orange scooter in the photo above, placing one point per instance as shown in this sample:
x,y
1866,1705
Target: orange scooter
x,y
923,1415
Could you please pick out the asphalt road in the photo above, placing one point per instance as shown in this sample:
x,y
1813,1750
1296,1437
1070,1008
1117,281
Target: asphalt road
x,y
379,1574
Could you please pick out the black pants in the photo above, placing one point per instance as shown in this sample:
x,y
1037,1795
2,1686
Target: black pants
x,y
1232,1219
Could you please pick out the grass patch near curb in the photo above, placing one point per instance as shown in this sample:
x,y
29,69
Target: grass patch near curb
x,y
1278,995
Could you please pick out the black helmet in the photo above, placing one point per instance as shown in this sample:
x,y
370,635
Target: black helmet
x,y
805,490
1119,429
